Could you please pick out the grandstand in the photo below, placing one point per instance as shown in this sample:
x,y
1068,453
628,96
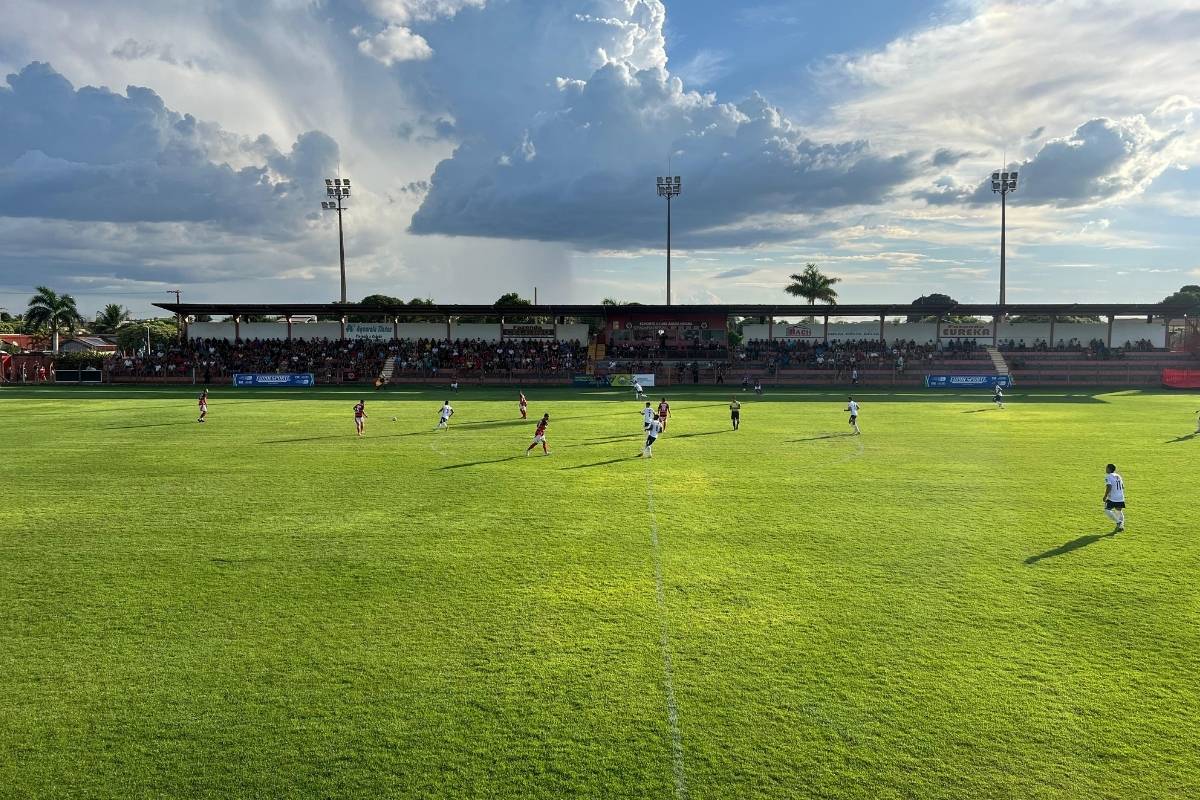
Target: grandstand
x,y
831,345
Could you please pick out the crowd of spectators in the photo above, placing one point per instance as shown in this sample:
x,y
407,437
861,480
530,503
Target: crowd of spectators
x,y
474,357
1095,348
213,359
850,354
658,350
350,360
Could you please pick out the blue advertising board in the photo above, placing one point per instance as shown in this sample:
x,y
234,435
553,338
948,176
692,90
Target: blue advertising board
x,y
967,381
274,379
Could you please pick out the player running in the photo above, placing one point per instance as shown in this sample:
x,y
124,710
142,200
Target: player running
x,y
648,416
998,396
203,405
523,405
638,393
1114,497
454,386
444,416
652,434
539,436
360,417
664,411
852,407
735,412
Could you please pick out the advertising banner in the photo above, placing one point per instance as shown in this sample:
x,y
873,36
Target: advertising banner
x,y
967,381
526,331
966,331
376,331
646,379
274,379
1181,378
583,380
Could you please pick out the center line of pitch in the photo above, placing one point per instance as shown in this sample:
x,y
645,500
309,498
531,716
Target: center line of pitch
x,y
664,643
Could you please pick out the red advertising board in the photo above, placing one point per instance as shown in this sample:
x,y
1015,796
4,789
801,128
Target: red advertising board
x,y
1181,378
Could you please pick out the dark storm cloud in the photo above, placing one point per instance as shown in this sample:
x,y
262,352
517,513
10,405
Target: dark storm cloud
x,y
94,155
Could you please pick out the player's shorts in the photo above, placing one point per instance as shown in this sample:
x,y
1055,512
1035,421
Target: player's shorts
x,y
203,409
645,426
734,414
650,440
539,440
853,419
1109,505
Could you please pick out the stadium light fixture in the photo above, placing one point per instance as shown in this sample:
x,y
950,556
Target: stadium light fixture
x,y
339,190
669,186
1003,183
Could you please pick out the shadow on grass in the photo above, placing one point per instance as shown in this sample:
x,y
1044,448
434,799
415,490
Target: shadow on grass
x,y
1074,544
1186,438
701,433
148,425
976,410
481,463
603,463
823,436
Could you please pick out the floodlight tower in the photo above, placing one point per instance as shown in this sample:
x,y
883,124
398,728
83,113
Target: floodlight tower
x,y
668,187
1002,184
338,188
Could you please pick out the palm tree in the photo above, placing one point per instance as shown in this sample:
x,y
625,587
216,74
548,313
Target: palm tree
x,y
112,317
813,285
48,309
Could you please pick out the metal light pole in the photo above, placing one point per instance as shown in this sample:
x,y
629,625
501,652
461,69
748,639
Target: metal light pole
x,y
338,188
178,317
668,187
1002,184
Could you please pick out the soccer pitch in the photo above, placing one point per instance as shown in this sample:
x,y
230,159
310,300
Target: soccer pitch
x,y
267,606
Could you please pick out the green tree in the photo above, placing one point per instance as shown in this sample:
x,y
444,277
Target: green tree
x,y
51,311
419,301
813,285
111,318
932,305
509,300
1187,299
380,301
163,333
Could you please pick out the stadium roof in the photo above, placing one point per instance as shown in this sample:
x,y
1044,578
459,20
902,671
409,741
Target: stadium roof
x,y
352,310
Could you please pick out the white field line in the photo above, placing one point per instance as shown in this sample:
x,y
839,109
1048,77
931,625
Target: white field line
x,y
664,643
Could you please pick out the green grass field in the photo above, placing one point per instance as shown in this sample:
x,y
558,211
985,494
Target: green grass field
x,y
266,606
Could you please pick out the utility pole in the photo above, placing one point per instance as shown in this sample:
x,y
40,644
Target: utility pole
x,y
338,188
178,316
669,187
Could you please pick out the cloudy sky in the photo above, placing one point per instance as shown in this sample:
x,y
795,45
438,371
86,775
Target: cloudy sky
x,y
498,145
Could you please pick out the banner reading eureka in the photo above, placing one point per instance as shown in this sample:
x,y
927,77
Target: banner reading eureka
x,y
966,331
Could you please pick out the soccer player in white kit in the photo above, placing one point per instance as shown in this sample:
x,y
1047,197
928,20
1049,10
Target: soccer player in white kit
x,y
998,396
648,416
444,416
652,434
852,407
1114,497
638,394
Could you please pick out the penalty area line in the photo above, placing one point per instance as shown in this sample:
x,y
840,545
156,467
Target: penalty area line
x,y
664,643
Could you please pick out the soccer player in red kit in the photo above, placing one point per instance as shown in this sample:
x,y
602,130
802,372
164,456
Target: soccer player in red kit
x,y
539,436
664,411
360,416
203,405
523,404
